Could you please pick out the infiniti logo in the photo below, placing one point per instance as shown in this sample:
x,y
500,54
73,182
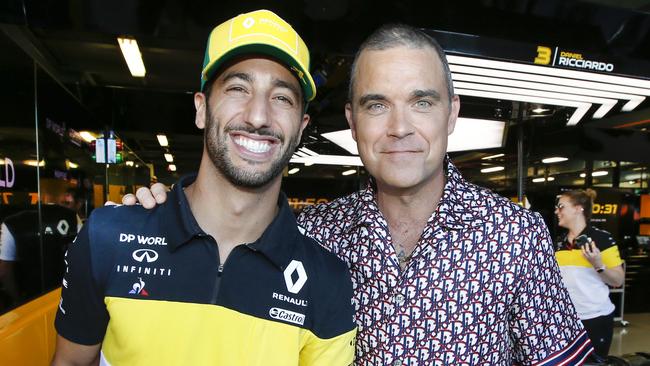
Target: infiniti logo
x,y
148,254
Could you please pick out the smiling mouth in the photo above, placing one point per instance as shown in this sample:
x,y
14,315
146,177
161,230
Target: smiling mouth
x,y
254,146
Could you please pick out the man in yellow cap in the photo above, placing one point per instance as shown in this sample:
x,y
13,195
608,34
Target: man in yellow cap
x,y
220,274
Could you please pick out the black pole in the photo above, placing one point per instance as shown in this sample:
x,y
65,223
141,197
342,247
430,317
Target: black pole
x,y
39,206
589,168
520,162
616,175
105,164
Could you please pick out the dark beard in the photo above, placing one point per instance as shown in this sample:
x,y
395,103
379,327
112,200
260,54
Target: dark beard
x,y
217,147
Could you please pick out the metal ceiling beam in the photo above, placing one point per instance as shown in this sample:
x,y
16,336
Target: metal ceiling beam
x,y
33,47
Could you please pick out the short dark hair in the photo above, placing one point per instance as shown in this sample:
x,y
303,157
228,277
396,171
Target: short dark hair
x,y
395,35
584,198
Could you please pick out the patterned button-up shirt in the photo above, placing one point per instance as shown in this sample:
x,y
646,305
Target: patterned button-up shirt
x,y
482,286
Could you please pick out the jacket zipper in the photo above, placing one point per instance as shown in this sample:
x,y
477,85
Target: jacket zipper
x,y
217,279
220,268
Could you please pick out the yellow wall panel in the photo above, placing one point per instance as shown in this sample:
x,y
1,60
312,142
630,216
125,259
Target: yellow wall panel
x,y
27,335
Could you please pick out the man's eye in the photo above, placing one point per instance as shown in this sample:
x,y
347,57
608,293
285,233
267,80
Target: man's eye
x,y
236,88
376,107
284,99
423,104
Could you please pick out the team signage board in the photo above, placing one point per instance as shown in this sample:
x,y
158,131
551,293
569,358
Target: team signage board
x,y
551,55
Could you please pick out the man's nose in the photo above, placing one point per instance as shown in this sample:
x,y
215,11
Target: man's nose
x,y
399,123
257,112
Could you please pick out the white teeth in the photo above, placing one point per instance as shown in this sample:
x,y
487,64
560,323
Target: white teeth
x,y
254,146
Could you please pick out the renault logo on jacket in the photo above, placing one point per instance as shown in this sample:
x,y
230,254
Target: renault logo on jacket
x,y
295,266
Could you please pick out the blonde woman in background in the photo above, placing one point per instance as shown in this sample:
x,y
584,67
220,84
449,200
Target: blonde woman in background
x,y
590,262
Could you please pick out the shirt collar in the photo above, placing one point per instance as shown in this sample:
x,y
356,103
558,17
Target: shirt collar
x,y
276,243
456,207
279,239
177,215
454,211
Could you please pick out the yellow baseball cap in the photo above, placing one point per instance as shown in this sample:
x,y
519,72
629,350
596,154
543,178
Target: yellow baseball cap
x,y
259,32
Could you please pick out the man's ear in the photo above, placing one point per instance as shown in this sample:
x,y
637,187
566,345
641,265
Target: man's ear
x,y
350,117
303,124
200,104
453,114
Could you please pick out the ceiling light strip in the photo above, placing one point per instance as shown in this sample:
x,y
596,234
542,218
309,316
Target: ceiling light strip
x,y
548,79
343,138
492,156
554,159
476,134
308,152
581,108
548,87
162,140
329,160
629,106
132,56
607,104
547,70
492,169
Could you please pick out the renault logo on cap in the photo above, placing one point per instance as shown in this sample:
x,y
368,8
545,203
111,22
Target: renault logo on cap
x,y
145,254
248,22
295,287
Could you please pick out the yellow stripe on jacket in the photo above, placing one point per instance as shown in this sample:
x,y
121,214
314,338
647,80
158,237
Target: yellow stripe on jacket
x,y
200,334
610,256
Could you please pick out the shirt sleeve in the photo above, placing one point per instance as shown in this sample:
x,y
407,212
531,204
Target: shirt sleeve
x,y
545,329
7,244
611,257
609,250
82,316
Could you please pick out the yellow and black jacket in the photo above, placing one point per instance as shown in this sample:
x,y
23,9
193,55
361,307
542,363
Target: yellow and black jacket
x,y
588,292
148,285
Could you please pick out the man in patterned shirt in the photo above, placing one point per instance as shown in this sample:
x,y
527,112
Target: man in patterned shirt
x,y
444,272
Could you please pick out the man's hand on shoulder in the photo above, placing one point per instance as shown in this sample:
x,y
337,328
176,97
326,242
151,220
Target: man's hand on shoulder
x,y
147,197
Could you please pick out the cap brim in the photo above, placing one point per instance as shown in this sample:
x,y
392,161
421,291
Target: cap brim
x,y
306,82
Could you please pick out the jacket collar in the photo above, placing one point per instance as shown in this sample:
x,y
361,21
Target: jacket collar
x,y
277,242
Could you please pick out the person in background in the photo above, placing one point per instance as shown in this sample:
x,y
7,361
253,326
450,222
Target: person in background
x,y
31,256
74,199
444,272
220,274
590,262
